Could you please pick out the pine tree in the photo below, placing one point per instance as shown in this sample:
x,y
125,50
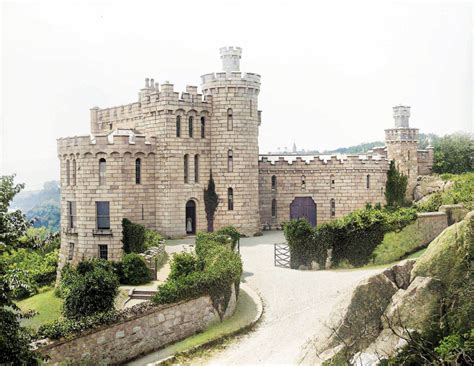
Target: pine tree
x,y
211,201
396,187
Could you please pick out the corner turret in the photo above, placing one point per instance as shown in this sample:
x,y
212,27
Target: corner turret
x,y
230,57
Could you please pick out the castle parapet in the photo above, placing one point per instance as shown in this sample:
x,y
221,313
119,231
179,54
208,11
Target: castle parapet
x,y
230,76
320,161
401,135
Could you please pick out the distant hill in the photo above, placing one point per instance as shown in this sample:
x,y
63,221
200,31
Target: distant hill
x,y
41,206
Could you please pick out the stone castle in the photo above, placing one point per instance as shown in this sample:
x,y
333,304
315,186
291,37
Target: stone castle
x,y
150,161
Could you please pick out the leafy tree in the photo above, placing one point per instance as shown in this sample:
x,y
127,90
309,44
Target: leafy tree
x,y
91,289
13,224
454,154
396,187
211,201
45,215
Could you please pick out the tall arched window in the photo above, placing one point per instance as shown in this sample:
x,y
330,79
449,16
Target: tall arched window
x,y
186,166
332,181
274,182
178,126
74,172
274,208
138,171
367,181
303,182
333,207
102,171
230,120
196,168
68,172
190,126
230,161
203,127
230,199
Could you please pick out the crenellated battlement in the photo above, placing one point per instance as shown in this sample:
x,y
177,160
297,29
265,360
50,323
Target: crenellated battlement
x,y
318,161
227,77
402,134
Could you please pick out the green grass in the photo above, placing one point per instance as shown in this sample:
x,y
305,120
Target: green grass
x,y
46,304
417,254
245,312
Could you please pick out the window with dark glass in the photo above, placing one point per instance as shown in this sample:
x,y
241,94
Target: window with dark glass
x,y
102,171
196,168
274,182
71,214
103,215
178,126
230,161
203,127
230,199
103,251
333,207
332,181
138,171
190,126
70,254
303,182
186,168
230,120
274,208
368,181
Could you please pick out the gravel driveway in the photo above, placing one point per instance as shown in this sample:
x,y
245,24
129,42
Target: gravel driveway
x,y
297,303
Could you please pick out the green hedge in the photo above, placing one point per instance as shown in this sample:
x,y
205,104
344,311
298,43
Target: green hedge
x,y
211,271
352,238
133,237
133,270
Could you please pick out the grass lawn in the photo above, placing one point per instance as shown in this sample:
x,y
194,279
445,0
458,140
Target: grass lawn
x,y
245,312
416,254
46,304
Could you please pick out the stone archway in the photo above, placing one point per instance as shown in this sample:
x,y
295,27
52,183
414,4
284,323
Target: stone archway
x,y
190,219
304,207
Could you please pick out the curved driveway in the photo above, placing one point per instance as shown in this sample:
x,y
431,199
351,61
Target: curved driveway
x,y
297,303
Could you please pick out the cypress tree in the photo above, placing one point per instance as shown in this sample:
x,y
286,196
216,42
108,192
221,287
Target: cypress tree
x,y
211,201
396,187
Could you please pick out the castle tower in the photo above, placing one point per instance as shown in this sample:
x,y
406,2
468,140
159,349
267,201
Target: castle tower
x,y
402,146
234,142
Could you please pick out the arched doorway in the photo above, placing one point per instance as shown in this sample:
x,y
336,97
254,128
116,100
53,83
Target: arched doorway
x,y
190,219
303,207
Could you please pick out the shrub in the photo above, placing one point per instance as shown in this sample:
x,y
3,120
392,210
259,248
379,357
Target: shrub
x,y
152,239
91,289
133,237
395,187
232,233
184,264
134,270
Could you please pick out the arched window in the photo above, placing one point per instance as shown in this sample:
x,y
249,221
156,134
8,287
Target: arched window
x,y
230,120
303,182
178,126
68,172
368,181
74,172
190,126
332,181
203,127
274,208
230,161
102,169
274,182
196,168
230,199
333,207
138,171
186,164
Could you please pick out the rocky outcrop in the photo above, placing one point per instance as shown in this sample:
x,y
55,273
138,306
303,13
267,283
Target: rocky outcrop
x,y
428,184
407,297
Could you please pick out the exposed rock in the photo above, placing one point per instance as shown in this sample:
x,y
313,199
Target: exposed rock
x,y
400,273
387,343
416,307
365,359
362,321
428,184
315,266
302,267
455,213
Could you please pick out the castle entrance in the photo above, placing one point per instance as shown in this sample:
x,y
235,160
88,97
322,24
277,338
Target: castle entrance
x,y
190,221
303,207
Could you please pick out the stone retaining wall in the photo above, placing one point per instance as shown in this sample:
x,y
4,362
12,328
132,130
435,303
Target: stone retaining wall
x,y
430,225
118,343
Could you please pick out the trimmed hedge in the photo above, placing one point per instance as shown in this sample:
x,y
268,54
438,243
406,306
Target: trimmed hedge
x,y
134,270
133,237
211,271
352,238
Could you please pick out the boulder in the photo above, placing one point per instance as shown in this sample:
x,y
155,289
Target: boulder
x,y
361,323
315,266
455,213
400,273
428,184
416,307
386,345
303,267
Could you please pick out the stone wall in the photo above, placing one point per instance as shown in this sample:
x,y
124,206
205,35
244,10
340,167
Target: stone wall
x,y
430,225
144,333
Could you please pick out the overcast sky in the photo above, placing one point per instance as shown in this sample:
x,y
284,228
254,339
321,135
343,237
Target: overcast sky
x,y
331,71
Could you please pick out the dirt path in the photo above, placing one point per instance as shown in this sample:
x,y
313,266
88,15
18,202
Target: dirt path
x,y
297,303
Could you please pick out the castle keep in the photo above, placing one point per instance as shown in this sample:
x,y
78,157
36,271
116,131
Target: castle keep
x,y
150,161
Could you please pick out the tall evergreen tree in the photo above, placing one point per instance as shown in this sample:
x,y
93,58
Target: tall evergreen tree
x,y
396,186
211,201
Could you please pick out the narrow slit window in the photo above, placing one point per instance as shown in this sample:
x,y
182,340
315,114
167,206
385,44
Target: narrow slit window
x,y
230,199
333,207
196,168
203,127
274,208
102,171
178,126
332,181
274,182
70,254
74,172
303,182
68,172
230,161
230,120
190,126
186,168
368,181
138,171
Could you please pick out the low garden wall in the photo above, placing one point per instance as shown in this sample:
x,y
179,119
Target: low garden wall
x,y
148,330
